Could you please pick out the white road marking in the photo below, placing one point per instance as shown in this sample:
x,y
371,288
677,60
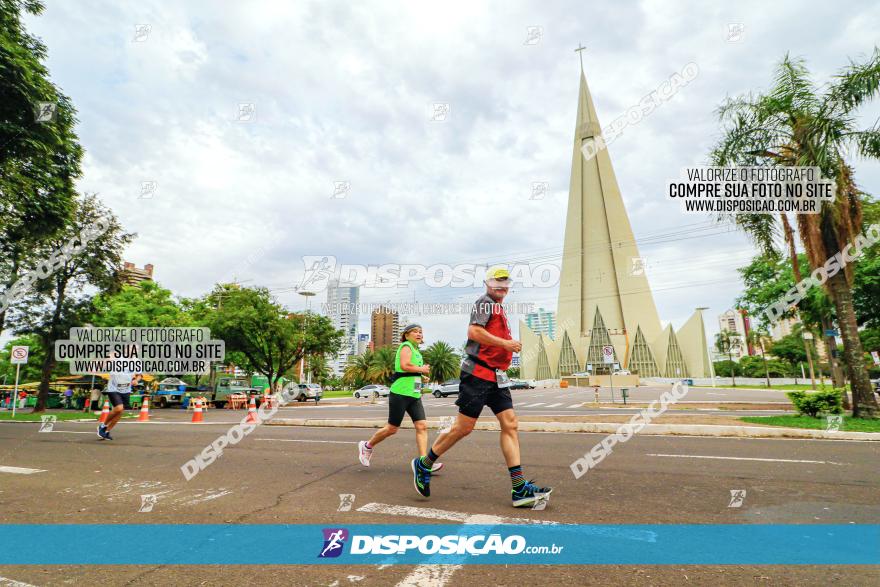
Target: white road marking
x,y
533,405
6,582
462,517
20,470
429,576
207,497
575,405
744,459
554,405
325,441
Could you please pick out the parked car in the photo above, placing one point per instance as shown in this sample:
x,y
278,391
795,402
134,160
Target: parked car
x,y
369,390
304,391
431,387
447,388
520,384
622,372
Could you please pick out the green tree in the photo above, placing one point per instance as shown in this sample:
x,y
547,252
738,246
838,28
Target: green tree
x,y
727,343
445,362
39,158
790,348
59,301
357,370
146,304
796,124
319,369
271,339
30,371
381,365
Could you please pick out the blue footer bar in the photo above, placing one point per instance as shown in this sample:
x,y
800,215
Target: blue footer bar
x,y
290,544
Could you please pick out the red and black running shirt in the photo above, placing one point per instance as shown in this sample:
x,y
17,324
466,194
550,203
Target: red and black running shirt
x,y
490,315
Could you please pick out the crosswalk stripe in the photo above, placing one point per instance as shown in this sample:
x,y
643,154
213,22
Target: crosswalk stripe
x,y
21,470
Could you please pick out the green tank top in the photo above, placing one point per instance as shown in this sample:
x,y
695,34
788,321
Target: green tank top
x,y
411,386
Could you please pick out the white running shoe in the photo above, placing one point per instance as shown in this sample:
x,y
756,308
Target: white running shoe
x,y
364,453
436,468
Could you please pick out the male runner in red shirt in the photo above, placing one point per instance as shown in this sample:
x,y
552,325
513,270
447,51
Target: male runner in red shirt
x,y
484,382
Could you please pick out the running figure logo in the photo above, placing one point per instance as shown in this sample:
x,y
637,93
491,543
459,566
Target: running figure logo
x,y
147,502
346,500
319,270
334,540
47,423
737,497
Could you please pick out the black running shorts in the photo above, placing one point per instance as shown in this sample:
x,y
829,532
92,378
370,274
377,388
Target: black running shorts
x,y
398,405
117,399
474,393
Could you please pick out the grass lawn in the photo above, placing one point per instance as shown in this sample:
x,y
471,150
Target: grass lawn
x,y
849,424
336,393
788,387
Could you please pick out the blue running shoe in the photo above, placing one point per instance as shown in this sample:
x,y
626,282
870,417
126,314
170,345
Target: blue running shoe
x,y
421,478
528,494
101,431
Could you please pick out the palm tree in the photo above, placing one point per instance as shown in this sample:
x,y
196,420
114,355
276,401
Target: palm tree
x,y
356,371
445,362
726,342
796,124
319,369
381,365
755,338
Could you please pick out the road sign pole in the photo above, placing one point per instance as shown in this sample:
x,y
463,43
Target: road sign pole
x,y
15,395
611,380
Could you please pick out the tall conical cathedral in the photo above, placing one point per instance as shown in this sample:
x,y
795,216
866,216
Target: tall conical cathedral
x,y
604,296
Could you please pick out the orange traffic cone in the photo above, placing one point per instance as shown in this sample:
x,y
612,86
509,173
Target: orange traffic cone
x,y
252,411
145,411
105,411
197,413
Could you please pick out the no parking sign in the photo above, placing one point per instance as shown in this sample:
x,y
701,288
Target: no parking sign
x,y
608,354
19,355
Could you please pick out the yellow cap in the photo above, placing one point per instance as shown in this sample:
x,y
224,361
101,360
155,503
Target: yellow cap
x,y
497,272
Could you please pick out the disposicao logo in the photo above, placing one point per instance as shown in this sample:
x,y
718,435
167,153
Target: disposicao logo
x,y
334,540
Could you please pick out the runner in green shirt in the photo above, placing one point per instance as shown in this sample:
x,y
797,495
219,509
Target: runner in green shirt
x,y
405,396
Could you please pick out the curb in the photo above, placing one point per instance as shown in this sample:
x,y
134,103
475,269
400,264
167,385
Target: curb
x,y
603,428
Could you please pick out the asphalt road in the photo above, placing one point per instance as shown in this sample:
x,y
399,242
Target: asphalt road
x,y
550,402
295,475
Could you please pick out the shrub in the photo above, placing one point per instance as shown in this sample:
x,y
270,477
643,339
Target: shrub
x,y
813,404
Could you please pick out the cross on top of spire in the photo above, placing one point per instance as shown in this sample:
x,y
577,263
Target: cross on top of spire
x,y
580,53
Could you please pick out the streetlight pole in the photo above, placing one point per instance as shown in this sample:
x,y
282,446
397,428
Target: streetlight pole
x,y
308,295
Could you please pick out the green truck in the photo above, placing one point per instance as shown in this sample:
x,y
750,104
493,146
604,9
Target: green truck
x,y
229,385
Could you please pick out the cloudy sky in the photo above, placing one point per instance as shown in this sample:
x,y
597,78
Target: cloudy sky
x,y
343,92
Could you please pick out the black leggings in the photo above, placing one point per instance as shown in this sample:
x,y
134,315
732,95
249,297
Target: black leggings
x,y
399,404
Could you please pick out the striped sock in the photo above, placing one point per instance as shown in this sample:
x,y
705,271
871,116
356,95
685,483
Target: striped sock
x,y
516,476
428,461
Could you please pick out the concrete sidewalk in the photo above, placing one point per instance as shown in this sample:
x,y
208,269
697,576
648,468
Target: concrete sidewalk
x,y
610,428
